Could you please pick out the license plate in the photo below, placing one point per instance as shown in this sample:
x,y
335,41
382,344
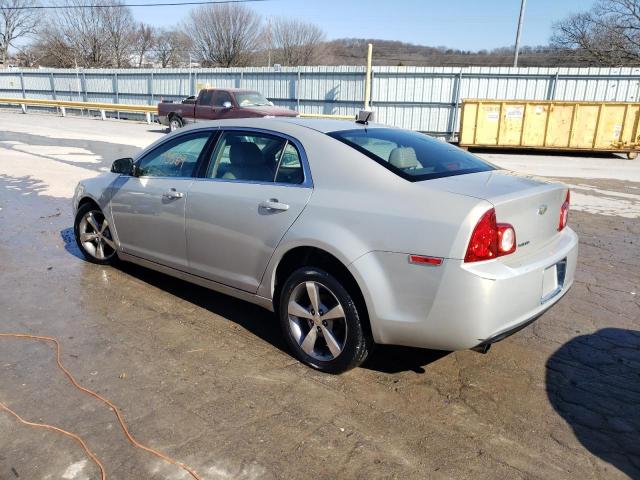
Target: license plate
x,y
549,282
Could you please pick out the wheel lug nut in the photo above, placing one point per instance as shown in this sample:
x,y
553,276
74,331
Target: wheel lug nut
x,y
324,322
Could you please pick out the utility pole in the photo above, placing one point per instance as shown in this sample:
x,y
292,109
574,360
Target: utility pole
x,y
520,22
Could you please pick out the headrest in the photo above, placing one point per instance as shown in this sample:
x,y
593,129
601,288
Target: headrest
x,y
404,158
246,153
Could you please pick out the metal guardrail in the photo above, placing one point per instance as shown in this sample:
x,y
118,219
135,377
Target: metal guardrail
x,y
148,110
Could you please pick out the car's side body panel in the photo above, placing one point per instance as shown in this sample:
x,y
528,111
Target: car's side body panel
x,y
456,306
230,236
149,224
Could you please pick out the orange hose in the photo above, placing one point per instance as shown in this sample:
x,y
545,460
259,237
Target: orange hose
x,y
107,402
91,455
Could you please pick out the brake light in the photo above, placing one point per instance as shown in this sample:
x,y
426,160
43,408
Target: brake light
x,y
564,212
490,239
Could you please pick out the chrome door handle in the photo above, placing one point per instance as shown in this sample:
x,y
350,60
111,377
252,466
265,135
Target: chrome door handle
x,y
273,204
173,194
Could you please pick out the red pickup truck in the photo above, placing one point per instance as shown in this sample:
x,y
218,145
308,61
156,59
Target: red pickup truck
x,y
219,103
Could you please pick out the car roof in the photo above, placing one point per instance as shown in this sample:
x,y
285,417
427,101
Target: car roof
x,y
286,124
326,125
224,89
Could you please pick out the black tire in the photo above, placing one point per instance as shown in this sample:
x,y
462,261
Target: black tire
x,y
110,255
356,344
175,123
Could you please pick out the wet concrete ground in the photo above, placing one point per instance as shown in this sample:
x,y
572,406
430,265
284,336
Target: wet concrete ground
x,y
206,378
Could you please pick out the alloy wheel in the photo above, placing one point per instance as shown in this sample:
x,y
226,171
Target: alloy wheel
x,y
95,236
317,321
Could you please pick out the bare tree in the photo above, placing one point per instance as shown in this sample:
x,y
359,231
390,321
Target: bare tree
x,y
16,21
296,42
120,27
172,48
100,36
144,40
224,34
608,34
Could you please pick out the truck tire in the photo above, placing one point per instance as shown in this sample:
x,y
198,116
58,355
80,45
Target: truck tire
x,y
175,122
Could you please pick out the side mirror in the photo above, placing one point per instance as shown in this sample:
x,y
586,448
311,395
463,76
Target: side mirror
x,y
123,166
227,105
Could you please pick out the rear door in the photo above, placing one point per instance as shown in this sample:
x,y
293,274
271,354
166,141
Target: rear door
x,y
255,186
148,209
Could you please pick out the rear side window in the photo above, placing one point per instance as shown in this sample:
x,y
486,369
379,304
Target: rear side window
x,y
206,97
255,157
412,155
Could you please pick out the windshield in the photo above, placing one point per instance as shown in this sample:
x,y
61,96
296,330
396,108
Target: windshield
x,y
251,99
412,155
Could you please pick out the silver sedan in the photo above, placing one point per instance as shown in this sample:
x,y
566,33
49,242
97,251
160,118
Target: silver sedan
x,y
353,234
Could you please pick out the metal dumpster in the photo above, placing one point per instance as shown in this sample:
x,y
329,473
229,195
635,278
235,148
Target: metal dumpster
x,y
591,126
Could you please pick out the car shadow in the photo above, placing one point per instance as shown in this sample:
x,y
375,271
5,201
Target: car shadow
x,y
396,359
252,318
260,322
70,245
593,382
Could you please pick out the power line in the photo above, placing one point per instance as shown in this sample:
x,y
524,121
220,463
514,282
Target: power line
x,y
123,5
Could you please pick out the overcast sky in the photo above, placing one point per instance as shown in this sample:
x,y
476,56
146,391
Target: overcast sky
x,y
463,24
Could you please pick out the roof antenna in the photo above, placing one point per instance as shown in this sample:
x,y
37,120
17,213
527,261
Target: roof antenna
x,y
364,116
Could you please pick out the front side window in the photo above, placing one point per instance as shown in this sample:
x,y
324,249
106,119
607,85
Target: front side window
x,y
175,158
412,155
222,98
256,157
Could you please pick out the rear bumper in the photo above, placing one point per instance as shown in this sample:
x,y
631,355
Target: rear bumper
x,y
457,306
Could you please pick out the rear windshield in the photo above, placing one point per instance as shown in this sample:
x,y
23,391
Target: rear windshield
x,y
412,155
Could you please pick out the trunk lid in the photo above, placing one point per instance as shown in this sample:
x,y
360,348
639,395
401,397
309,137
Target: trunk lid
x,y
531,205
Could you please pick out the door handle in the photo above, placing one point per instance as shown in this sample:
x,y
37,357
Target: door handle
x,y
273,204
172,193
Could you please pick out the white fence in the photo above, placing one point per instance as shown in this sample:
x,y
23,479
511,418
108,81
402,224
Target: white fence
x,y
419,98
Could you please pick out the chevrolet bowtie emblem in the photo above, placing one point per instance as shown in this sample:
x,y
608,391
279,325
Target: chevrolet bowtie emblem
x,y
542,209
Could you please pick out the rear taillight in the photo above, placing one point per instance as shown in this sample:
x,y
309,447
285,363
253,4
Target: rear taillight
x,y
490,239
564,213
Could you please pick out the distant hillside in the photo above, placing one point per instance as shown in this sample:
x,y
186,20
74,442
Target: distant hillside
x,y
352,51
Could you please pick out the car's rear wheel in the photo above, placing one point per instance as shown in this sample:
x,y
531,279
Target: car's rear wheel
x,y
175,123
321,321
93,235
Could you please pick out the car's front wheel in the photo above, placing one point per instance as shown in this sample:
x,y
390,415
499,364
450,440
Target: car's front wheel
x,y
321,322
93,235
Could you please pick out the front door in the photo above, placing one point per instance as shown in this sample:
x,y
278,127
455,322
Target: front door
x,y
223,106
148,209
255,187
